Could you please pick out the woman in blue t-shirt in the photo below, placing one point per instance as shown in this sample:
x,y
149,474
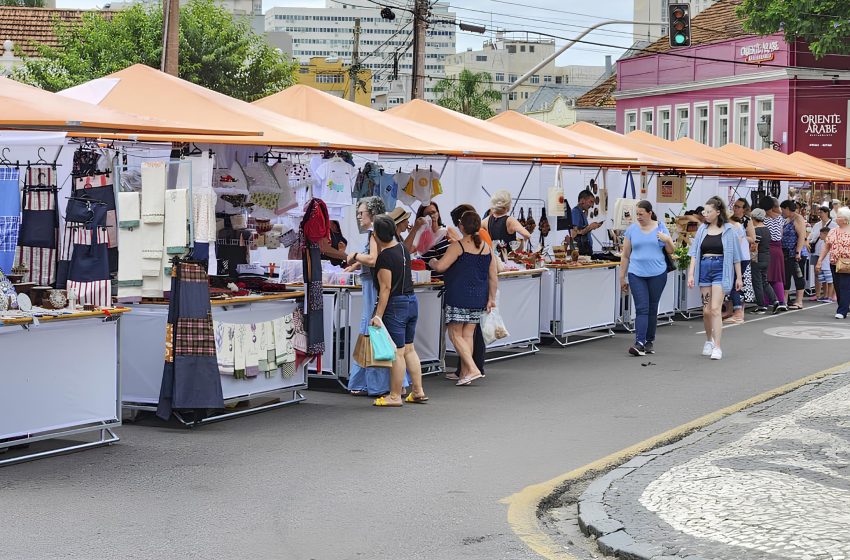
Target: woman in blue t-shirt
x,y
643,271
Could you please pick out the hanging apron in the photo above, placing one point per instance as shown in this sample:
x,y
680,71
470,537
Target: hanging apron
x,y
38,238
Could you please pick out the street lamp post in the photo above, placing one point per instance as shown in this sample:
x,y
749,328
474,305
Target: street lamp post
x,y
764,131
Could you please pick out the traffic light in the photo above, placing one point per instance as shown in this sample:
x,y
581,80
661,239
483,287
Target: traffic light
x,y
679,18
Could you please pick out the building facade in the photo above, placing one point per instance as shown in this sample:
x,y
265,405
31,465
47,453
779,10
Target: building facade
x,y
333,77
656,10
384,45
718,93
506,59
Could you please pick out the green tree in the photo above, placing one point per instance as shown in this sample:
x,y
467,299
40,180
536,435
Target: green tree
x,y
823,24
469,94
217,51
23,3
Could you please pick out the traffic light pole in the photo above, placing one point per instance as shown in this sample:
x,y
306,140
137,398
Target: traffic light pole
x,y
507,90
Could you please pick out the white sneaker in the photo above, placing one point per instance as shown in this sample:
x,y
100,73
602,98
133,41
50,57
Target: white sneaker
x,y
707,348
716,354
839,316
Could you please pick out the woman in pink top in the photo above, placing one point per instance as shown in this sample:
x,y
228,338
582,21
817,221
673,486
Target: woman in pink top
x,y
837,246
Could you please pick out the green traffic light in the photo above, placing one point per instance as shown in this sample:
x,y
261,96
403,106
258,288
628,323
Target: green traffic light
x,y
679,38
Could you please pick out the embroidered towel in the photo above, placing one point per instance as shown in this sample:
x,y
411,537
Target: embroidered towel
x,y
203,213
129,210
224,334
129,257
151,235
154,180
176,214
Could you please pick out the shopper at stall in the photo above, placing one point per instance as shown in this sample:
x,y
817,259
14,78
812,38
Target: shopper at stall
x,y
428,237
825,221
643,271
581,227
775,223
397,310
837,247
737,296
503,229
795,252
716,261
823,274
401,217
333,249
471,282
760,262
367,381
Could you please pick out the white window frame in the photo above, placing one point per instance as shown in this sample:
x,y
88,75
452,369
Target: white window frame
x,y
716,122
643,113
748,134
626,115
698,121
757,101
660,126
679,121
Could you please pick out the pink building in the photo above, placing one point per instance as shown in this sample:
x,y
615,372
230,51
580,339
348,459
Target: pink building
x,y
717,92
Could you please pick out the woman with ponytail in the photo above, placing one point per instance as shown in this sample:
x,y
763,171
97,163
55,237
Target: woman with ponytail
x,y
471,277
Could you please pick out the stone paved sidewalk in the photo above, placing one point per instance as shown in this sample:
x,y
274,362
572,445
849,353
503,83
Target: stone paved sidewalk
x,y
770,482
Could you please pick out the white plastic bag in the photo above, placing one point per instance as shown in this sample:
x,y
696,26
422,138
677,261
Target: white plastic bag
x,y
493,327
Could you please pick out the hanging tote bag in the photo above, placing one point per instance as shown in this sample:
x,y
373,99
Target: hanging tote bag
x,y
363,354
383,348
624,208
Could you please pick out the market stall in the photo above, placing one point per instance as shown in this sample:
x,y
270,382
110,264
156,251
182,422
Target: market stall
x,y
519,304
143,347
584,302
61,377
346,305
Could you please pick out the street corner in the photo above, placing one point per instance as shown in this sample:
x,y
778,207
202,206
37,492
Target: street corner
x,y
771,481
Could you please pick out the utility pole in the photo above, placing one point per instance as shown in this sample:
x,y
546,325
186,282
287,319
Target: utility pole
x,y
420,28
354,70
170,37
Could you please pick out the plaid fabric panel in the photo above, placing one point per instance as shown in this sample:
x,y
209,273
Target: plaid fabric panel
x,y
190,272
9,226
195,337
9,173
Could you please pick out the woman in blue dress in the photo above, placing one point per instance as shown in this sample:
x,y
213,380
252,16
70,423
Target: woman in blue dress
x,y
371,381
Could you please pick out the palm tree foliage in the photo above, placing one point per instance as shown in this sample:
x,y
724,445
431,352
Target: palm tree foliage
x,y
470,93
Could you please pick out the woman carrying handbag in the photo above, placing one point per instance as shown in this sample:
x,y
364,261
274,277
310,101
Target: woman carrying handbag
x,y
643,271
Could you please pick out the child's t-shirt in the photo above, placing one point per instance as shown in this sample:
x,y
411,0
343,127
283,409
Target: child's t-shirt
x,y
824,265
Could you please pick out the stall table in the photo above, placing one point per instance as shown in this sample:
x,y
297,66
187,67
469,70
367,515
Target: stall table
x,y
344,306
519,306
584,302
61,377
143,349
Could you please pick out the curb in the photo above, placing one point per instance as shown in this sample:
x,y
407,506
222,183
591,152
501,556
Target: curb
x,y
612,538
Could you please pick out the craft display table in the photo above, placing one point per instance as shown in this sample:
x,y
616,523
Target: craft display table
x,y
143,351
579,302
60,378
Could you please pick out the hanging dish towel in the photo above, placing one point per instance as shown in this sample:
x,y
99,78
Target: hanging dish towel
x,y
129,210
224,334
10,216
154,180
130,257
176,216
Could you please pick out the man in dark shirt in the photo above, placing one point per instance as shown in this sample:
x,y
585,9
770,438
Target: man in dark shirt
x,y
581,227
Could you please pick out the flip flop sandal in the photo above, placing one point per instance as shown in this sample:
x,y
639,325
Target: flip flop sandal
x,y
416,400
452,376
795,306
382,401
467,380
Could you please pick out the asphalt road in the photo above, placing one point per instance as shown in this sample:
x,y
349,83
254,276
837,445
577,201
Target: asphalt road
x,y
334,478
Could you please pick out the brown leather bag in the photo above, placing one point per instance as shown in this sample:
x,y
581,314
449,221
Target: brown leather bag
x,y
842,265
363,353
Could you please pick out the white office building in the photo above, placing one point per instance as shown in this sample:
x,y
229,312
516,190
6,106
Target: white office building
x,y
656,10
329,32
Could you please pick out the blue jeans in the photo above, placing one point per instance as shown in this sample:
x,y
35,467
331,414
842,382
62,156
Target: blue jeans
x,y
400,319
646,292
737,302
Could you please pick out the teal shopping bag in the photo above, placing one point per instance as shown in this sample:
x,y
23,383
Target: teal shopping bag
x,y
383,348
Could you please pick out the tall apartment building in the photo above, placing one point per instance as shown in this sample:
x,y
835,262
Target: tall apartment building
x,y
506,59
329,32
656,10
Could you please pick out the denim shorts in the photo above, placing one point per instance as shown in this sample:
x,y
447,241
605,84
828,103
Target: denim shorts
x,y
710,271
400,319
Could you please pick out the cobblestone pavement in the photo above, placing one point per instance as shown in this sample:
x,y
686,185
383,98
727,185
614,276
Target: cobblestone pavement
x,y
770,482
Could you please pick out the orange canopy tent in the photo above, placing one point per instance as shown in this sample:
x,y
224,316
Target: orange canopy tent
x,y
525,124
149,91
480,134
777,161
652,156
840,174
26,107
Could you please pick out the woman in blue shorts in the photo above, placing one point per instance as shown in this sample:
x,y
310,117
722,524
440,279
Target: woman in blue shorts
x,y
716,262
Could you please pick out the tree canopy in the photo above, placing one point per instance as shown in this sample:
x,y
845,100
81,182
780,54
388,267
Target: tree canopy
x,y
217,51
470,93
823,24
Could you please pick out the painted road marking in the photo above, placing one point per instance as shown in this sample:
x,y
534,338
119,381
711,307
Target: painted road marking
x,y
809,333
522,506
748,321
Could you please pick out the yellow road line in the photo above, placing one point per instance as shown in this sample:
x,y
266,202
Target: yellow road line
x,y
522,506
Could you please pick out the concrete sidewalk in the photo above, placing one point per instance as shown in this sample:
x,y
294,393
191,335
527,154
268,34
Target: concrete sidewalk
x,y
770,482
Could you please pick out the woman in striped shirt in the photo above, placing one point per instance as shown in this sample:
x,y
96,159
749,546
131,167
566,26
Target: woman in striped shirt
x,y
776,270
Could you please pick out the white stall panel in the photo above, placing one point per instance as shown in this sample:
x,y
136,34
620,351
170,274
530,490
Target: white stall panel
x,y
588,299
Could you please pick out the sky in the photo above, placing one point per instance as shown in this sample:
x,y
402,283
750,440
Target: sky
x,y
564,18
